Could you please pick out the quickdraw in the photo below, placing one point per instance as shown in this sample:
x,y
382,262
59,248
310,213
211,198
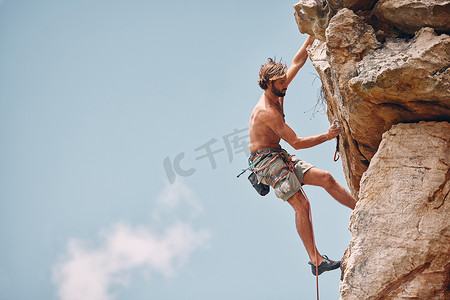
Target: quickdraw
x,y
336,153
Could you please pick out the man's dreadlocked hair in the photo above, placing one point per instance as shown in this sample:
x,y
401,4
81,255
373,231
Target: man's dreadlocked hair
x,y
271,71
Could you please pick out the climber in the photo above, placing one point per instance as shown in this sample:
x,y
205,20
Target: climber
x,y
271,163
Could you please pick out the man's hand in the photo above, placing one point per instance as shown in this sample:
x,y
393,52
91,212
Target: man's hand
x,y
333,131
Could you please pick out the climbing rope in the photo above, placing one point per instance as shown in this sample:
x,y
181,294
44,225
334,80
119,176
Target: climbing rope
x,y
291,166
314,241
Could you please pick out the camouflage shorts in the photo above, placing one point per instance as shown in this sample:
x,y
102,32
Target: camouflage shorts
x,y
281,179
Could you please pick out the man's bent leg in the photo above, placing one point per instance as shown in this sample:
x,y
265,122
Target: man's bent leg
x,y
301,207
324,179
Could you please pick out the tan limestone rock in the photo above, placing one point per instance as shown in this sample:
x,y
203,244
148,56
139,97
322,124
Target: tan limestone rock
x,y
400,247
313,16
411,15
348,40
352,4
383,75
371,86
412,77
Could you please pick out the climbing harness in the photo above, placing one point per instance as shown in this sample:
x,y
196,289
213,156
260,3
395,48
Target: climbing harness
x,y
283,171
261,188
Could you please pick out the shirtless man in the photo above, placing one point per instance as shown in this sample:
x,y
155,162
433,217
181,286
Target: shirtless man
x,y
267,127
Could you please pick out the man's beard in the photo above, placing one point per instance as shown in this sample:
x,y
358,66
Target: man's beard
x,y
278,93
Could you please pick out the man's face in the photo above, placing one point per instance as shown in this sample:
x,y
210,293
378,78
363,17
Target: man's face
x,y
279,87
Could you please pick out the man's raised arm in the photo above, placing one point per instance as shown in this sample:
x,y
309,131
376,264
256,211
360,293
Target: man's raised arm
x,y
299,59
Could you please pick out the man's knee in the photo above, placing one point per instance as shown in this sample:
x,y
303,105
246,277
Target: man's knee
x,y
298,201
327,179
319,177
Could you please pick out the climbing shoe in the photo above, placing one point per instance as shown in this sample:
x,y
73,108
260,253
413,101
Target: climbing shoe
x,y
326,265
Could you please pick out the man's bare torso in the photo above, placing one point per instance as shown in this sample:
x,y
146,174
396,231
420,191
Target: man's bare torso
x,y
261,135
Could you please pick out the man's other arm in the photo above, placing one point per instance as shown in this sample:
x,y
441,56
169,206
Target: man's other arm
x,y
299,59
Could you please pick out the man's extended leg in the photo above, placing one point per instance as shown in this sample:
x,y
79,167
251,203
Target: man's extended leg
x,y
301,207
305,230
324,179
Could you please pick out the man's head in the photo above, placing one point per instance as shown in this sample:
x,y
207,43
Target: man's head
x,y
269,73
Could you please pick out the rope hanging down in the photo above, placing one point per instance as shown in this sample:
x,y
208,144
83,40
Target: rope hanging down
x,y
290,166
291,169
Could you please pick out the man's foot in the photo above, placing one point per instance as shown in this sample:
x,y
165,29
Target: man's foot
x,y
326,265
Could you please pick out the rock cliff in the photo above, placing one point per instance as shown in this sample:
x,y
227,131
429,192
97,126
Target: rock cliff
x,y
384,67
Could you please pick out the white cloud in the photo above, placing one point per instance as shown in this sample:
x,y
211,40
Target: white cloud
x,y
88,271
174,196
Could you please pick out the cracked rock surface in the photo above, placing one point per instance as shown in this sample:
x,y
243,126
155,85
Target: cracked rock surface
x,y
374,80
400,247
384,67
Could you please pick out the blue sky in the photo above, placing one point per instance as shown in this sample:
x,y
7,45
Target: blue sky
x,y
107,109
